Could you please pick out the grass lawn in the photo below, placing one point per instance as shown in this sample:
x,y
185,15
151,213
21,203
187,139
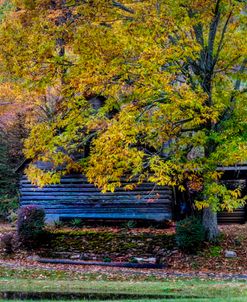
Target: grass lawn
x,y
95,286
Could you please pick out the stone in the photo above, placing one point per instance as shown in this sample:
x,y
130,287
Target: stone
x,y
75,256
33,258
230,254
145,260
84,257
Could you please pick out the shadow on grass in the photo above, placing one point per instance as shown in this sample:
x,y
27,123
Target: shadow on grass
x,y
16,295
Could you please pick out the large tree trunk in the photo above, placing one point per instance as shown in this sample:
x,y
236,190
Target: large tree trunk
x,y
210,224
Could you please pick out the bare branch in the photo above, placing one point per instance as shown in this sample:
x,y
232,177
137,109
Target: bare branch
x,y
222,38
122,7
228,65
5,104
212,31
191,129
213,28
230,109
183,121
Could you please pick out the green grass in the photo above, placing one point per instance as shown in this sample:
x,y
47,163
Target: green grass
x,y
36,280
170,287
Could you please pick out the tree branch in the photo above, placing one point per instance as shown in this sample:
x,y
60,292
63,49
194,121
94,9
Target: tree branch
x,y
222,39
230,109
212,33
7,103
122,7
183,121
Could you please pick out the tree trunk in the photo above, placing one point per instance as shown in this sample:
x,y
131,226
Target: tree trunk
x,y
210,224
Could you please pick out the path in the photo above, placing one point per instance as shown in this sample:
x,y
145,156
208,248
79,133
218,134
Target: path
x,y
161,274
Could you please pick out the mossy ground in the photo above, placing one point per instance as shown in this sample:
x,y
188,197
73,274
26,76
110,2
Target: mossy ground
x,y
120,244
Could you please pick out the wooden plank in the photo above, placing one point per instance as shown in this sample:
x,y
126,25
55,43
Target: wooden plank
x,y
141,194
99,202
84,182
90,189
93,196
113,212
71,197
237,216
233,168
96,201
102,210
96,204
129,216
82,189
105,207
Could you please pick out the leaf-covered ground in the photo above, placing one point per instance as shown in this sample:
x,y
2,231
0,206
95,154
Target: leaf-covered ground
x,y
212,258
206,263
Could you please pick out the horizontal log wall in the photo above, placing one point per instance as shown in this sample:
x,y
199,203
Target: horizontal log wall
x,y
74,197
238,216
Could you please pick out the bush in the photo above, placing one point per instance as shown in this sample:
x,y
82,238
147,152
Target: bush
x,y
30,224
6,243
190,234
7,206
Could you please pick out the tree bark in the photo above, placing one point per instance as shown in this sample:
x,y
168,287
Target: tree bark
x,y
210,224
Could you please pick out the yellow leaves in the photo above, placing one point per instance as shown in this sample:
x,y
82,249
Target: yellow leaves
x,y
146,63
181,188
235,193
163,172
38,141
201,204
130,187
216,175
41,178
11,92
113,154
217,196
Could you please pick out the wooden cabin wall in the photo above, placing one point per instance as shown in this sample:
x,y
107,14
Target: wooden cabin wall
x,y
238,216
74,197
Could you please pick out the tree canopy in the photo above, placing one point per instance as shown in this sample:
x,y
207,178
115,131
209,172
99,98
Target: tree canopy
x,y
171,76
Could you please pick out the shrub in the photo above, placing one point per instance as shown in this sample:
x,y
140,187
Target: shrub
x,y
130,224
214,251
7,206
190,234
58,224
7,243
30,224
107,259
76,222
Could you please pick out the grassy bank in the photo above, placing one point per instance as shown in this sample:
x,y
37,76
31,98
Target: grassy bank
x,y
95,286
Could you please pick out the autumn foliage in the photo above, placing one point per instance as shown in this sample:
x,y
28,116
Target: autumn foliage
x,y
171,76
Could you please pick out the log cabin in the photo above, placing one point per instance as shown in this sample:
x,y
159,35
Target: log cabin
x,y
75,197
